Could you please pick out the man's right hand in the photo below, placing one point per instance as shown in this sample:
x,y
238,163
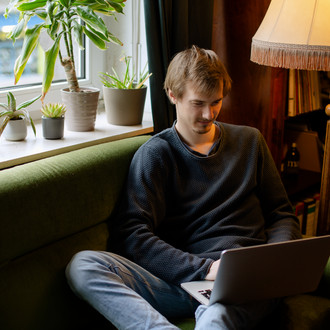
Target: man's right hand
x,y
213,271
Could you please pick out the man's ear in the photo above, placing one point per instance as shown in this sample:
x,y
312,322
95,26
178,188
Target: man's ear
x,y
171,96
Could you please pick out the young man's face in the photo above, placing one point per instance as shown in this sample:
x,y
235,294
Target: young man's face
x,y
197,112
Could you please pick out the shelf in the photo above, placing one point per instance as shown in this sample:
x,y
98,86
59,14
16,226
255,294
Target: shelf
x,y
306,182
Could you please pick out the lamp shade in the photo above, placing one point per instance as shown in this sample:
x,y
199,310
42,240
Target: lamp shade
x,y
294,34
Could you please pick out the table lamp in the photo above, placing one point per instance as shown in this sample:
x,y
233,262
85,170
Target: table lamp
x,y
295,34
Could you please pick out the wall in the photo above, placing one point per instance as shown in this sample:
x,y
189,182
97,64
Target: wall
x,y
251,98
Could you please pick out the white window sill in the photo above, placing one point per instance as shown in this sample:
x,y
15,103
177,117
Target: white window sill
x,y
16,153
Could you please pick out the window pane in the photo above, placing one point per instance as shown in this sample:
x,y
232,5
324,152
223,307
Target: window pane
x,y
32,74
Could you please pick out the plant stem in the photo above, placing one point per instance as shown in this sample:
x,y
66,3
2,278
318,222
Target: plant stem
x,y
68,62
71,75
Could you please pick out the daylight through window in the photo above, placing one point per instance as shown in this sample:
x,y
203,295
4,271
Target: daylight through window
x,y
32,74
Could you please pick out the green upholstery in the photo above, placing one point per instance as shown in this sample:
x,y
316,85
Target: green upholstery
x,y
53,208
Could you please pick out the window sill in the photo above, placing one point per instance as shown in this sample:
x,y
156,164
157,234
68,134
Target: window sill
x,y
16,153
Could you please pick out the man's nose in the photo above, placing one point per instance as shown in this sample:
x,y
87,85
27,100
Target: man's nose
x,y
208,112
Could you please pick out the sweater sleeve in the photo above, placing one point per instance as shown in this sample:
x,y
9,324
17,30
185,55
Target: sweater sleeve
x,y
280,222
144,207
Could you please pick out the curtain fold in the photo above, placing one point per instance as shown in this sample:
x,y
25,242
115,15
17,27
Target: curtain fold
x,y
172,26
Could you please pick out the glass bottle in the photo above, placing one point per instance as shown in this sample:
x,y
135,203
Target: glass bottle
x,y
291,165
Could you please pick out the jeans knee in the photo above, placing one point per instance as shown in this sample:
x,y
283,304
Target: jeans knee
x,y
79,270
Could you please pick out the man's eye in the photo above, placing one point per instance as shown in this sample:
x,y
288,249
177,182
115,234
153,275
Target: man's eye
x,y
198,104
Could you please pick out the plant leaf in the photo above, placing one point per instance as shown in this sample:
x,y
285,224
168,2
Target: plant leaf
x,y
65,3
78,34
29,44
118,6
10,6
49,66
90,18
143,81
33,127
99,34
26,6
54,29
27,103
95,39
41,14
4,124
17,30
115,40
11,101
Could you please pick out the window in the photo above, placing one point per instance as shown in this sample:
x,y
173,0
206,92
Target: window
x,y
9,52
91,62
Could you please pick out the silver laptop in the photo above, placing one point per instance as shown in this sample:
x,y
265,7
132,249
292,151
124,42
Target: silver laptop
x,y
264,272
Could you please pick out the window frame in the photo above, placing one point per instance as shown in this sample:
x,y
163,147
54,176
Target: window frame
x,y
96,61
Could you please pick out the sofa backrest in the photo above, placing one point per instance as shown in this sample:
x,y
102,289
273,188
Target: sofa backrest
x,y
50,210
46,200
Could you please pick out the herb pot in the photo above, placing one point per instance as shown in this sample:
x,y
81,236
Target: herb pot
x,y
52,128
15,130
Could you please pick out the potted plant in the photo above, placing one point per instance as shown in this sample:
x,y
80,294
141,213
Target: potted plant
x,y
124,98
68,20
14,118
52,120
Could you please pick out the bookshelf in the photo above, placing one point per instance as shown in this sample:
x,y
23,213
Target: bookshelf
x,y
305,123
306,183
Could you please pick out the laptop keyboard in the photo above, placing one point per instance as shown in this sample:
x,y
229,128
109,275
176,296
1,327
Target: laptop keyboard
x,y
206,293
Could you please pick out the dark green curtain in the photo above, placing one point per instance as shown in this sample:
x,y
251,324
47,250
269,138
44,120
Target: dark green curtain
x,y
172,26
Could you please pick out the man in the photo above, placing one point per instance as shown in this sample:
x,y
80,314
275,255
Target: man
x,y
193,190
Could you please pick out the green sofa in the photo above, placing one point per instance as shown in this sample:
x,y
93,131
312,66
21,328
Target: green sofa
x,y
55,207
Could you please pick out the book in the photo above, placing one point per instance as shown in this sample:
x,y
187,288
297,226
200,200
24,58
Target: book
x,y
317,206
309,217
299,209
304,93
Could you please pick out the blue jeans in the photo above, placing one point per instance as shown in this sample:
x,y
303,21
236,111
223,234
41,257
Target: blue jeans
x,y
132,298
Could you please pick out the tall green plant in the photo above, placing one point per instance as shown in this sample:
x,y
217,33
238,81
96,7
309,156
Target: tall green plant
x,y
62,19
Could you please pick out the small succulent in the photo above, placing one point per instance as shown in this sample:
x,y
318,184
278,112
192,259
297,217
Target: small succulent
x,y
12,111
128,80
53,110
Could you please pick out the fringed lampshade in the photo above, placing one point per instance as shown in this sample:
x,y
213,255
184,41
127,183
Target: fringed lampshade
x,y
294,34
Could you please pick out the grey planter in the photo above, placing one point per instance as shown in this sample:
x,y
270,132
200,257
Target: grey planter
x,y
81,108
52,128
124,106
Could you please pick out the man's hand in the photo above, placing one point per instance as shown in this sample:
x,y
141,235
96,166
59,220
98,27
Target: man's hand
x,y
213,271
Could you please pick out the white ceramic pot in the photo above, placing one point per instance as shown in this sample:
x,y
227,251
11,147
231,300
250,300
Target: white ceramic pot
x,y
15,130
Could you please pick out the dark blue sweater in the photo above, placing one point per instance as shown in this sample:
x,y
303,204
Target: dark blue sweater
x,y
181,210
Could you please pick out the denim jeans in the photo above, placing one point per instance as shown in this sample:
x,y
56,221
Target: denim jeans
x,y
132,298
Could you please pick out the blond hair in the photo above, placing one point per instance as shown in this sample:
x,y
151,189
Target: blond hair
x,y
200,66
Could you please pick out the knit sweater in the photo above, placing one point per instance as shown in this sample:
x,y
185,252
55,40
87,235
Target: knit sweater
x,y
180,210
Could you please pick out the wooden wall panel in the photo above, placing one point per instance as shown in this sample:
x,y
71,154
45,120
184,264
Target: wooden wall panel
x,y
250,101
